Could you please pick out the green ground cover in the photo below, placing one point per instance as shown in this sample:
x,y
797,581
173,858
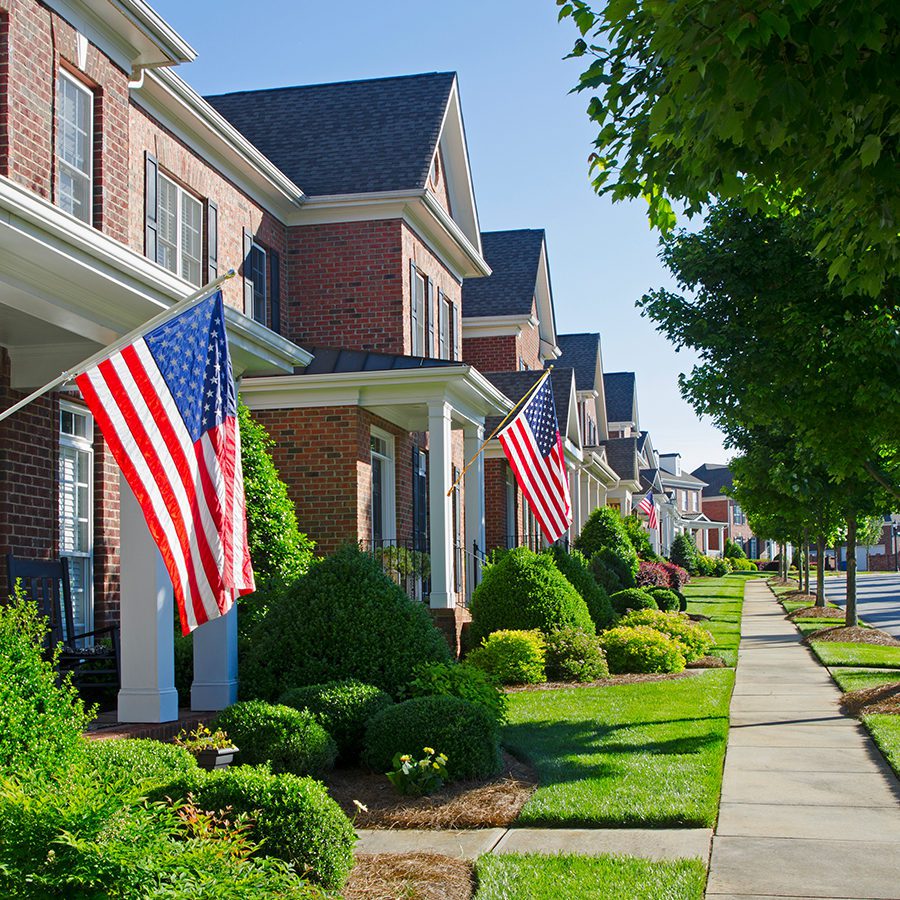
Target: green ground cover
x,y
858,679
886,732
837,653
722,599
504,876
646,754
793,605
808,626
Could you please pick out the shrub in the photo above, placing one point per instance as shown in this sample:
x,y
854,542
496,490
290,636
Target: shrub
x,y
605,530
465,733
525,590
695,641
743,565
578,572
511,657
678,577
632,598
344,619
666,599
733,550
721,567
638,536
459,680
574,655
684,553
605,575
652,574
41,720
621,565
342,708
290,740
144,763
704,565
641,649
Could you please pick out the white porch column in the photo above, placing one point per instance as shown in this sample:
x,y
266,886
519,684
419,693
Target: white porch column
x,y
721,541
473,435
575,496
147,621
216,663
587,506
705,533
440,509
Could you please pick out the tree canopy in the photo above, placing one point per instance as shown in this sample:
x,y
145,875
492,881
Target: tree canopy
x,y
776,105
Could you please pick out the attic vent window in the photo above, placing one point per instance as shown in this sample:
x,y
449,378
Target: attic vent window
x,y
435,172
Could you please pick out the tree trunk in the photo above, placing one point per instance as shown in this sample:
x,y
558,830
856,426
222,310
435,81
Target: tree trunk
x,y
820,570
851,617
804,561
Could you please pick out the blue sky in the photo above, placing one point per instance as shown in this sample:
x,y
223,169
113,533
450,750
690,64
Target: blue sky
x,y
528,140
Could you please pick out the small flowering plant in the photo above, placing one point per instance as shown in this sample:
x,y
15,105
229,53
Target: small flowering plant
x,y
417,777
201,738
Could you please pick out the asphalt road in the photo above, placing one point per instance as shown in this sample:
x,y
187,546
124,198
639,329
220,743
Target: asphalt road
x,y
878,597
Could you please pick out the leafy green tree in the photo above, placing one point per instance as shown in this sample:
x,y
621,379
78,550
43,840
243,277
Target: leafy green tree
x,y
639,537
774,105
684,553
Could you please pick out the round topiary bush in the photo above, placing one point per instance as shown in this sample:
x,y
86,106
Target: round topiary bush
x,y
461,680
632,598
684,553
577,571
524,590
342,708
574,655
145,763
722,567
641,649
465,733
666,599
695,641
344,619
290,740
733,550
511,657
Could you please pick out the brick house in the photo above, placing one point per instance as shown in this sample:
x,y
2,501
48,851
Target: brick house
x,y
719,507
623,428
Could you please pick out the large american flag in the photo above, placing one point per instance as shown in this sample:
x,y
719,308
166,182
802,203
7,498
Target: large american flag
x,y
649,507
166,405
534,448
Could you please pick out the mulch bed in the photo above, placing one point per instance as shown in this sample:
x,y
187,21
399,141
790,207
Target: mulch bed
x,y
798,595
708,662
817,612
853,635
461,804
883,698
603,682
410,876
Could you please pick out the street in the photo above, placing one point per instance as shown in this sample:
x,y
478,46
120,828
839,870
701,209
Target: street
x,y
878,597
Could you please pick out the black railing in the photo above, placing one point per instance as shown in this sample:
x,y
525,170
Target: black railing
x,y
406,562
533,541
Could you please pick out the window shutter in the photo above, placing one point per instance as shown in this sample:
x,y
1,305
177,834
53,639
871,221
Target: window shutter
x,y
454,333
429,317
413,312
212,240
275,290
248,280
151,205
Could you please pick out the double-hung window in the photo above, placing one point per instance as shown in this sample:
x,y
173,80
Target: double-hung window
x,y
255,278
180,235
74,147
444,328
383,511
419,315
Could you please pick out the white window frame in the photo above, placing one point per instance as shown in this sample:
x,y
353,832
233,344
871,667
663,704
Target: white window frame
x,y
65,77
419,318
388,486
444,316
180,195
83,445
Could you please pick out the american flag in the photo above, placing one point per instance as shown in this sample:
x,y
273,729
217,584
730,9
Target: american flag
x,y
167,407
647,506
533,446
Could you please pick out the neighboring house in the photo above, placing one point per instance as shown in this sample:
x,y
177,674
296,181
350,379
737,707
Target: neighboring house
x,y
719,507
623,429
686,494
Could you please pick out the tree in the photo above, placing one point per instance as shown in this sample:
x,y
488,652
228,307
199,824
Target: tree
x,y
774,105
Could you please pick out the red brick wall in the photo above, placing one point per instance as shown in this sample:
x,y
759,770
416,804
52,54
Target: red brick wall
x,y
4,93
496,528
491,354
106,535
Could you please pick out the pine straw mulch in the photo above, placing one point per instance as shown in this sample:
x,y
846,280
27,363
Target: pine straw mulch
x,y
462,804
855,634
817,612
602,682
793,596
410,876
883,698
708,662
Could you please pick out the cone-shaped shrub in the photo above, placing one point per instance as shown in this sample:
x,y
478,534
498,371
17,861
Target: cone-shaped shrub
x,y
578,572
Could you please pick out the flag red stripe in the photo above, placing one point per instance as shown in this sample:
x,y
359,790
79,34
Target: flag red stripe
x,y
551,494
525,467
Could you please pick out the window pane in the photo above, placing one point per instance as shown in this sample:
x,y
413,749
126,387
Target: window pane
x,y
73,148
191,252
419,317
167,243
256,266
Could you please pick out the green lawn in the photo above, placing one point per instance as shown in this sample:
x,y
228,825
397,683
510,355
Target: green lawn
x,y
808,626
647,754
858,679
722,600
793,605
837,653
886,731
537,877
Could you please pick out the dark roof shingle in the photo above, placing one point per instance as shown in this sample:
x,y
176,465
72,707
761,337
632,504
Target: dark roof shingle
x,y
619,388
329,361
580,352
516,384
621,453
350,137
509,290
716,476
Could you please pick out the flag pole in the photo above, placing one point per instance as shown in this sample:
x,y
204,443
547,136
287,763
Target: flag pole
x,y
176,308
494,433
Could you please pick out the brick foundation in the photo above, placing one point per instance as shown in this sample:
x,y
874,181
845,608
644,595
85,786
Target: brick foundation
x,y
454,625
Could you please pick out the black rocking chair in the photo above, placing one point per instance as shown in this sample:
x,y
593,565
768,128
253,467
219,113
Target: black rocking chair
x,y
94,666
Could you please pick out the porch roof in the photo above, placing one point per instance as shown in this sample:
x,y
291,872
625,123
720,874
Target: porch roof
x,y
700,521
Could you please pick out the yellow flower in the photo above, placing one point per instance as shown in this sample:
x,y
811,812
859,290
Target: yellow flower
x,y
428,750
405,758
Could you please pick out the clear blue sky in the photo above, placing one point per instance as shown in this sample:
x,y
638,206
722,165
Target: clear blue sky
x,y
528,141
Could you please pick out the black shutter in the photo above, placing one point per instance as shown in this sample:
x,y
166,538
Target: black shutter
x,y
151,206
454,333
212,241
429,318
275,290
413,316
248,280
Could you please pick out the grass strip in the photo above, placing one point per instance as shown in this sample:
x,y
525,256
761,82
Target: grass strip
x,y
859,679
837,653
722,599
645,754
538,877
885,730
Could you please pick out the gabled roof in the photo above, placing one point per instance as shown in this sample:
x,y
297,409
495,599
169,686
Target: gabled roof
x,y
514,258
347,137
716,476
683,480
621,398
580,352
621,453
515,385
327,360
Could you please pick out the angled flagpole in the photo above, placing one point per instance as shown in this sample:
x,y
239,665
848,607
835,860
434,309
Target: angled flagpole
x,y
70,374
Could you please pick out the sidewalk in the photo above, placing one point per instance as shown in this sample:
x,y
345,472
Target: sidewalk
x,y
809,808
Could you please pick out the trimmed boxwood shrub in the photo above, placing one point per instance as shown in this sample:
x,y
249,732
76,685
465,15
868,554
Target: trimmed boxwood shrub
x,y
342,708
344,619
621,565
605,530
605,575
641,649
465,733
525,590
577,571
733,550
511,657
684,553
574,655
461,680
695,640
144,763
666,599
290,740
632,598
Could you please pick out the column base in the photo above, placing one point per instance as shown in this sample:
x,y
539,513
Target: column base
x,y
213,694
147,705
454,625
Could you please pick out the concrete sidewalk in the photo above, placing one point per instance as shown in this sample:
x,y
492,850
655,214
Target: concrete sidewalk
x,y
809,807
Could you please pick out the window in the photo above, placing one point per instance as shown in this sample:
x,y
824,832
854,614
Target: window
x,y
180,235
382,456
76,526
694,501
74,147
444,328
419,315
738,514
523,366
256,283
